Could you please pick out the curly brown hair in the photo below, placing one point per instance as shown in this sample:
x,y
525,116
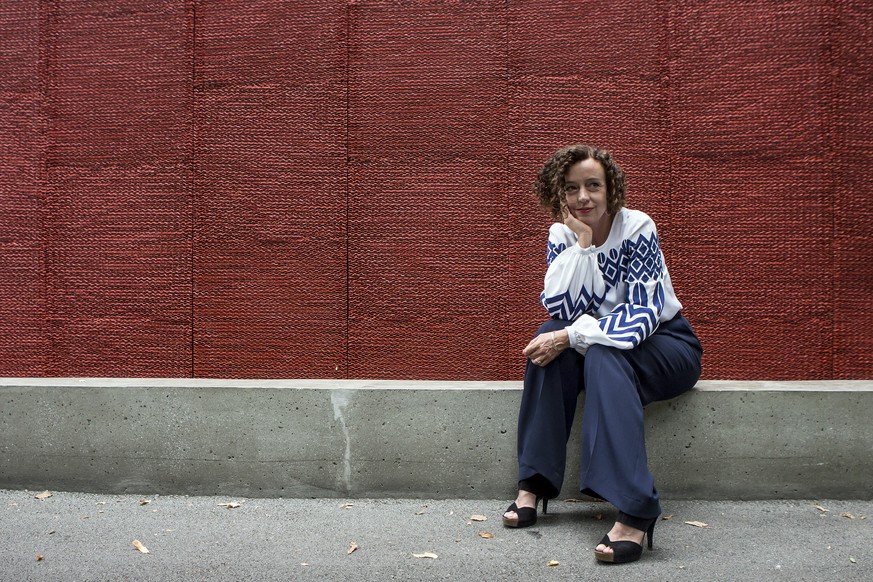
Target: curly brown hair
x,y
549,185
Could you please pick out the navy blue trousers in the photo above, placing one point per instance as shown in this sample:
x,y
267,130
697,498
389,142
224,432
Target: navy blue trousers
x,y
617,384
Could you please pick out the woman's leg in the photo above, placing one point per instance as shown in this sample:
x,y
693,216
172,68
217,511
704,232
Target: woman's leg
x,y
545,417
618,384
613,462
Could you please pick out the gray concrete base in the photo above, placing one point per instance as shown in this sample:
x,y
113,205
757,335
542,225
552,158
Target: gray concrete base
x,y
355,438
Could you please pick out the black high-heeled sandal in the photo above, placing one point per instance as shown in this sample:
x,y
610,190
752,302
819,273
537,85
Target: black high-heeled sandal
x,y
526,516
625,551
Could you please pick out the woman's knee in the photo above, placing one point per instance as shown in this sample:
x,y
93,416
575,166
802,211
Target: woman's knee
x,y
606,362
598,355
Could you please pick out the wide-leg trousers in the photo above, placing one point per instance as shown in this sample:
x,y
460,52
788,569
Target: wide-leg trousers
x,y
617,384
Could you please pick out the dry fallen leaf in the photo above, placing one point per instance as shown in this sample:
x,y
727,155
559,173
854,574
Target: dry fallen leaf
x,y
667,517
847,514
229,505
422,512
430,555
141,548
39,558
486,534
145,501
697,523
43,495
478,518
347,505
352,547
574,500
553,563
822,509
853,560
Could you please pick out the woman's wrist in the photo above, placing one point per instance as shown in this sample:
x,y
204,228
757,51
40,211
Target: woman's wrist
x,y
560,340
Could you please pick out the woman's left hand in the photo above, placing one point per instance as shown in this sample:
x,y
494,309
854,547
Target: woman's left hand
x,y
545,347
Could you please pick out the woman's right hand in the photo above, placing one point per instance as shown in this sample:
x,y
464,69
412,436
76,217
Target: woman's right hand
x,y
583,231
547,346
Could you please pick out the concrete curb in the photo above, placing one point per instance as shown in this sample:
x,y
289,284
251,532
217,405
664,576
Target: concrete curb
x,y
407,439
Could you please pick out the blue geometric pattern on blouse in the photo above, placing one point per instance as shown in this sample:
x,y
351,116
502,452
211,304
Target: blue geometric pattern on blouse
x,y
563,306
645,264
553,250
635,262
629,323
637,319
613,266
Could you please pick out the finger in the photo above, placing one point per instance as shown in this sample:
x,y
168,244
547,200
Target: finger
x,y
544,358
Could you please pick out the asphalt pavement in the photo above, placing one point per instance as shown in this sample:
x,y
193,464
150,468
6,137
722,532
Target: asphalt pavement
x,y
77,536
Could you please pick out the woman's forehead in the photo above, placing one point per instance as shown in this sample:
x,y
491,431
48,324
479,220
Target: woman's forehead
x,y
588,168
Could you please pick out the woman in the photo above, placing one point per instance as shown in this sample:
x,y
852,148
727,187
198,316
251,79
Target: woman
x,y
616,331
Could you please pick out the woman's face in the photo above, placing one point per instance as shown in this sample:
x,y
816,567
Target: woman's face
x,y
585,190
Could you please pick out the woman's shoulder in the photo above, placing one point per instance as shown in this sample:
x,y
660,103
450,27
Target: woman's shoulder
x,y
634,220
633,216
560,231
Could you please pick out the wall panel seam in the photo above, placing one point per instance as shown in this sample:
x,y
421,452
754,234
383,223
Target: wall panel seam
x,y
192,175
347,121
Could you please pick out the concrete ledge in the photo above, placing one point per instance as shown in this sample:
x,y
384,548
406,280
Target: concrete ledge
x,y
355,438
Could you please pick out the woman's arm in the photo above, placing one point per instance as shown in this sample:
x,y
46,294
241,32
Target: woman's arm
x,y
573,284
631,322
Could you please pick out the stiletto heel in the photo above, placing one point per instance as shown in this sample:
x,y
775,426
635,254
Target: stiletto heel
x,y
526,516
626,551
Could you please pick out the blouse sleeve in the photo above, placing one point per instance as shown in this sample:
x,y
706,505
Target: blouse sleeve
x,y
631,322
573,284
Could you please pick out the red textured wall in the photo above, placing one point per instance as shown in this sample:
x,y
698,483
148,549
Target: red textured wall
x,y
341,189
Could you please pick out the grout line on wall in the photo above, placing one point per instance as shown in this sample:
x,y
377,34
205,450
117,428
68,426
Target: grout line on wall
x,y
193,176
830,89
47,333
348,33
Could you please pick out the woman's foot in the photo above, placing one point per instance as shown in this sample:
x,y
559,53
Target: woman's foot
x,y
621,533
523,512
624,542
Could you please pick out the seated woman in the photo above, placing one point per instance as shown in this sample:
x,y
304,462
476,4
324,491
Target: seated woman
x,y
616,331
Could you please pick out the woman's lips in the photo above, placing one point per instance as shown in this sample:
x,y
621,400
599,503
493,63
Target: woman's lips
x,y
583,210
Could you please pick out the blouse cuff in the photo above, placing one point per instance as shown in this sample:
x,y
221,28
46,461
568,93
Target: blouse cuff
x,y
571,336
583,250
